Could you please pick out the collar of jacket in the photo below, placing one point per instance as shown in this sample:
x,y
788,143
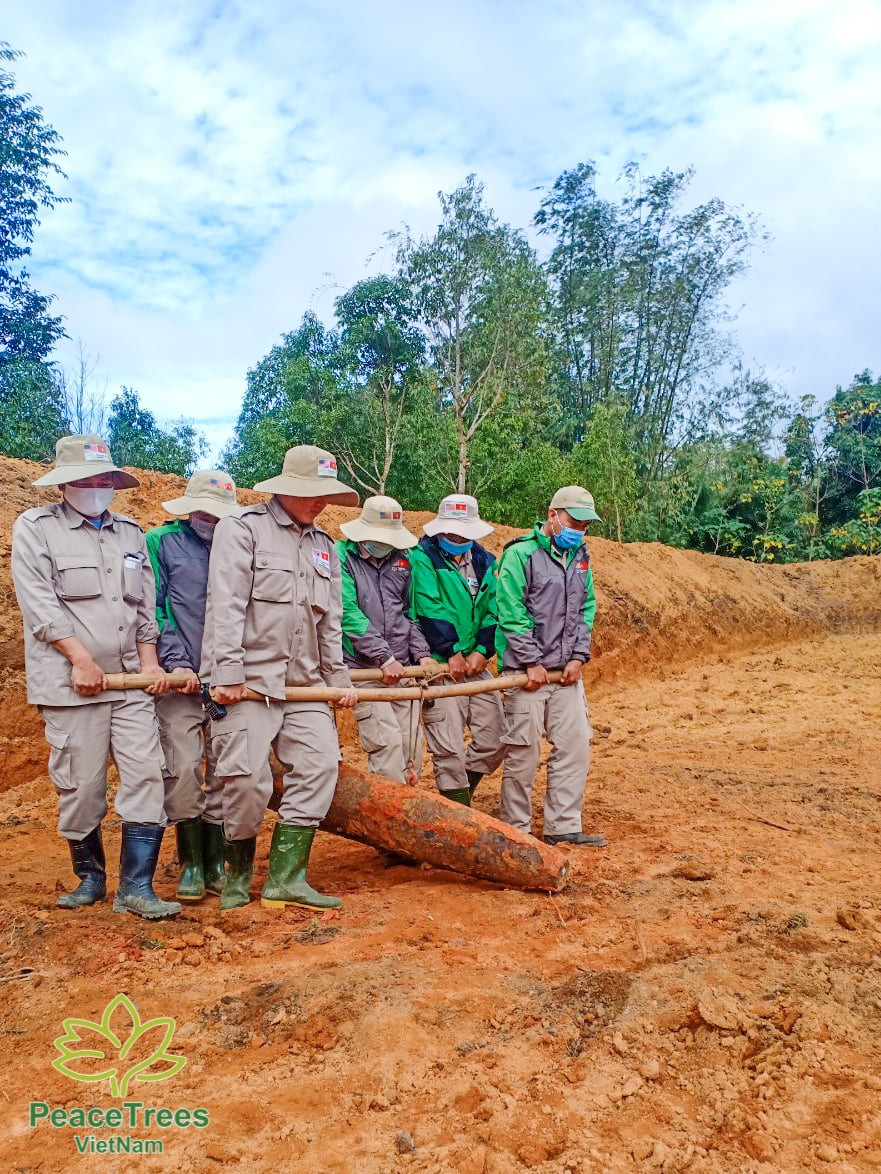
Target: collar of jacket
x,y
75,519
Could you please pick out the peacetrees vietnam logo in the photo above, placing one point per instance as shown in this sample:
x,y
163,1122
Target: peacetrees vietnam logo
x,y
119,1050
124,1058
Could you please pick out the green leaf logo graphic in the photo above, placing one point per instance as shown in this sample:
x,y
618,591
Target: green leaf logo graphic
x,y
121,1048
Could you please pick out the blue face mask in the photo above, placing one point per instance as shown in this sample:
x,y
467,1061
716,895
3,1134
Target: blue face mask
x,y
454,547
568,538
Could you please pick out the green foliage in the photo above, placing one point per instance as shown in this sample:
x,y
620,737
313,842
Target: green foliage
x,y
32,411
135,438
472,367
29,149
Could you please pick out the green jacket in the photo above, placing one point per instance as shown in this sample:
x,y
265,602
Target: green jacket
x,y
546,603
451,619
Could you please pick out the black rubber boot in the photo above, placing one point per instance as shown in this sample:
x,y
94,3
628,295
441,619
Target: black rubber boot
x,y
191,886
87,857
212,857
474,777
286,882
462,795
240,869
137,864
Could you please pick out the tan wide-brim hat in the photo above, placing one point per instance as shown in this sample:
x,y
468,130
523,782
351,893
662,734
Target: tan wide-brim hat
x,y
309,472
82,456
210,491
381,520
458,514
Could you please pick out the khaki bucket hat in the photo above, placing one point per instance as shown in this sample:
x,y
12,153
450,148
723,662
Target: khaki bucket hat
x,y
309,472
458,514
84,456
210,491
577,503
381,521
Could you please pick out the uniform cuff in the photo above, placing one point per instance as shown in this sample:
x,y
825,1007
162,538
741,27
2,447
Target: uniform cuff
x,y
49,633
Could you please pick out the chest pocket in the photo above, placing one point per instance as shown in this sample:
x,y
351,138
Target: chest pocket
x,y
320,588
132,579
273,578
78,577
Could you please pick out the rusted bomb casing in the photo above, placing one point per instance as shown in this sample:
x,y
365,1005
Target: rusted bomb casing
x,y
426,827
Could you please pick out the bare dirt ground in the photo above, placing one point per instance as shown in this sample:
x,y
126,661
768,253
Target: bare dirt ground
x,y
705,994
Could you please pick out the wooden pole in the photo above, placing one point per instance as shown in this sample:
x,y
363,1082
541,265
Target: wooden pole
x,y
327,693
404,693
425,826
176,679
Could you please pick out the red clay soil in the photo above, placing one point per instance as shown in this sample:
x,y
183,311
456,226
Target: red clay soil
x,y
704,995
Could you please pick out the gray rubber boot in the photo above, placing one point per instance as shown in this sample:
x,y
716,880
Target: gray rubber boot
x,y
137,864
87,857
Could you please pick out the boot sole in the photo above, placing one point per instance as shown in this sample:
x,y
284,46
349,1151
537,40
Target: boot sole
x,y
274,903
188,897
119,907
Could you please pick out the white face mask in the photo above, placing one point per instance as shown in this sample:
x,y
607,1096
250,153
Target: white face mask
x,y
91,503
204,529
376,549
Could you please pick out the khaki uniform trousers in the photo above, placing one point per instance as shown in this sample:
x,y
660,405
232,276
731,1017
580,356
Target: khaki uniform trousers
x,y
304,738
80,739
560,711
384,728
191,792
445,721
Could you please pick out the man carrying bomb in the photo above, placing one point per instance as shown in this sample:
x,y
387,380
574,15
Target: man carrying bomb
x,y
86,593
179,552
454,598
273,620
379,631
546,608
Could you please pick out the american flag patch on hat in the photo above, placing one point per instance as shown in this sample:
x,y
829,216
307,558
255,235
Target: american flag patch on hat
x,y
390,515
327,467
96,452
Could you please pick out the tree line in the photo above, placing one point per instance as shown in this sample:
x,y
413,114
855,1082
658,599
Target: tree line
x,y
475,364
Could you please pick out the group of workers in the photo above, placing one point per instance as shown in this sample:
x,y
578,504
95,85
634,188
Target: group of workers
x,y
255,599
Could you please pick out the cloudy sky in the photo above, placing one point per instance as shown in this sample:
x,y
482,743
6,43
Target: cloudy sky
x,y
233,164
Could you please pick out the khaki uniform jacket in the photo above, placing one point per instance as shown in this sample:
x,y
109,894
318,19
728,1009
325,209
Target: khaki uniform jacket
x,y
274,612
74,580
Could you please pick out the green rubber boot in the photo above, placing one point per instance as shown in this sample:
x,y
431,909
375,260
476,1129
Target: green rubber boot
x,y
286,882
191,885
239,856
212,857
462,795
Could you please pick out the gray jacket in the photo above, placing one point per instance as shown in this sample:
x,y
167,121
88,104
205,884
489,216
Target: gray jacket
x,y
377,619
180,564
546,603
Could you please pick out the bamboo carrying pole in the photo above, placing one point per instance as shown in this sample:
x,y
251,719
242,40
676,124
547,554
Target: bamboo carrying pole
x,y
177,679
326,693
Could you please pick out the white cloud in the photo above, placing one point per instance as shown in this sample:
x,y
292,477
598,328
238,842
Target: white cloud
x,y
232,164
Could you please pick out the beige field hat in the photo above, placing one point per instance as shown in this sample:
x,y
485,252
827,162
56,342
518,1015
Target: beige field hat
x,y
84,456
458,514
381,521
577,503
210,491
309,472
